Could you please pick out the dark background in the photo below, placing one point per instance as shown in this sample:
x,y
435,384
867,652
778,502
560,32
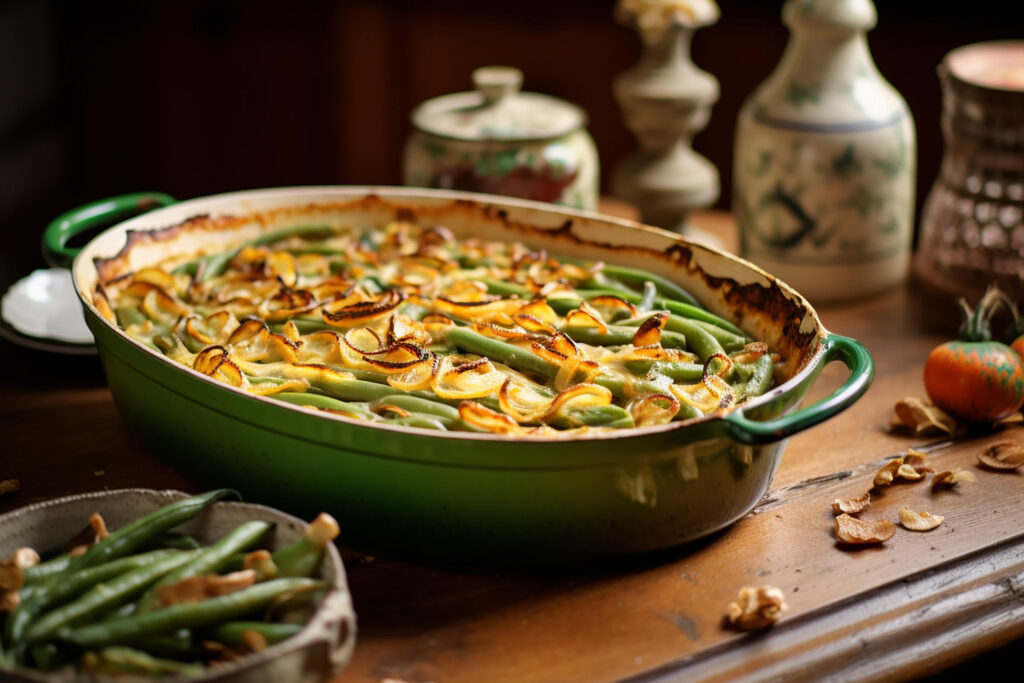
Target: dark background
x,y
192,98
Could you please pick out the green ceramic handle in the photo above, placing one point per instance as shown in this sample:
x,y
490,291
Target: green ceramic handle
x,y
68,224
862,370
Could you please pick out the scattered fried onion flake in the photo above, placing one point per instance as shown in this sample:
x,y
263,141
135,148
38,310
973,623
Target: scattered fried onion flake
x,y
917,460
885,476
919,521
1003,456
922,417
855,531
9,486
12,576
9,600
950,478
198,588
756,607
851,506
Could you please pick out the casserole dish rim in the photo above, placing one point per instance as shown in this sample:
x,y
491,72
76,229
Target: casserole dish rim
x,y
301,196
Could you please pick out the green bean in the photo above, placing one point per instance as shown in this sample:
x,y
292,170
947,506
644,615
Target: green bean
x,y
563,302
103,596
679,371
45,569
617,335
595,416
417,404
650,292
231,633
760,379
703,343
50,592
126,660
176,541
213,265
47,656
728,340
322,231
177,645
129,315
120,543
632,276
191,615
325,402
209,560
525,361
303,557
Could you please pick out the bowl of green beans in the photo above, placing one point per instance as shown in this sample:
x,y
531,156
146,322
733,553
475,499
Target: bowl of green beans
x,y
146,583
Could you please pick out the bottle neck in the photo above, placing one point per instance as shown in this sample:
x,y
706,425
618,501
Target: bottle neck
x,y
821,56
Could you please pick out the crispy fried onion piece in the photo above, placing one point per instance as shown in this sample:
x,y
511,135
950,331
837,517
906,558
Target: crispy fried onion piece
x,y
1003,456
213,329
586,316
418,376
523,400
511,334
199,588
575,399
910,467
657,353
319,347
919,521
460,377
362,312
158,305
215,362
488,420
253,341
262,563
751,352
99,526
922,417
719,364
917,460
537,316
709,395
653,409
287,302
851,506
481,308
649,332
756,607
157,277
853,531
102,304
610,307
950,478
397,358
402,328
12,569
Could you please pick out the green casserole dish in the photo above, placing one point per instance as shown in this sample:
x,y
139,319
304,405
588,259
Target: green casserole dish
x,y
571,495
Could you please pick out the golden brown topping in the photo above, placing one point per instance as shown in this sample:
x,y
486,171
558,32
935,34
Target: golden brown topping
x,y
99,527
919,521
322,530
9,600
11,569
917,460
853,531
756,607
851,506
252,642
1003,456
649,332
262,563
950,478
198,588
9,486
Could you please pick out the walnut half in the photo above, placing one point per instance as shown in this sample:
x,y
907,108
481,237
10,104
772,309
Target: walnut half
x,y
756,607
919,521
855,531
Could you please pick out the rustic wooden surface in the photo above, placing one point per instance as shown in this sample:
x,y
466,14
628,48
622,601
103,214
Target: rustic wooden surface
x,y
918,604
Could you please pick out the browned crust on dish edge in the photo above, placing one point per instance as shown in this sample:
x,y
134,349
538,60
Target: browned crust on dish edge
x,y
772,301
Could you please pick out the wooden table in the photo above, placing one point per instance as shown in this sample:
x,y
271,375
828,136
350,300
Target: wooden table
x,y
918,604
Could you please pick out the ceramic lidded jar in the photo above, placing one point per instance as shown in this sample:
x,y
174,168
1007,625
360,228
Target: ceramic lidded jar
x,y
825,161
502,141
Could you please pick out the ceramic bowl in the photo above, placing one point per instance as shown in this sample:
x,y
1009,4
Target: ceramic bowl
x,y
317,652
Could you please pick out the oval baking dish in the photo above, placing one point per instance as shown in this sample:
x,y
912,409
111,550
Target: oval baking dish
x,y
487,495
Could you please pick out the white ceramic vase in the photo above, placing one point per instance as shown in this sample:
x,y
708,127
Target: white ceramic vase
x,y
825,161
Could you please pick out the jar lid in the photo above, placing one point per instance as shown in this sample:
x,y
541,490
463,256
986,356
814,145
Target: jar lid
x,y
497,110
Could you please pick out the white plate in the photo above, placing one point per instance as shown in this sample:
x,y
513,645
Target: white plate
x,y
42,311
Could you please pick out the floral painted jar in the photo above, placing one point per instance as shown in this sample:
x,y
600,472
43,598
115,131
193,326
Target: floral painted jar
x,y
499,140
825,161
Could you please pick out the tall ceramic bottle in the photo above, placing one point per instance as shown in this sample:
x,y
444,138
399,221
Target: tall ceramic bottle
x,y
825,161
